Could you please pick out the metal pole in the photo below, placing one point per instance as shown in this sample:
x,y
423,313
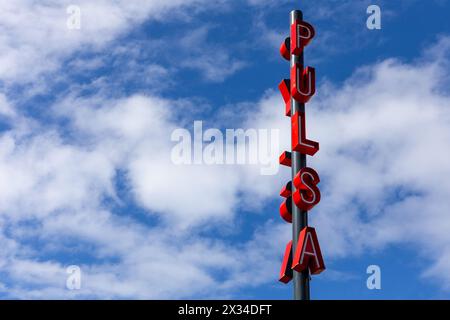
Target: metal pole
x,y
299,218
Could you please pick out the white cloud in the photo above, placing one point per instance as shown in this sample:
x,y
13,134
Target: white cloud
x,y
212,60
53,190
6,109
135,134
34,37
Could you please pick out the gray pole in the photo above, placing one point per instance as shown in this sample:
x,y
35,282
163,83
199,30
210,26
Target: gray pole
x,y
299,218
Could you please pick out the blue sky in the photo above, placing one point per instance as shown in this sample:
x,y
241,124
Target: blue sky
x,y
86,176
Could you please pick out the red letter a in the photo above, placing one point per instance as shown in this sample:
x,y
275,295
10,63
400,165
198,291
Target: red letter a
x,y
307,254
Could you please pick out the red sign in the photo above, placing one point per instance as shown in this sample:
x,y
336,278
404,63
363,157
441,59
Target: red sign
x,y
301,34
307,256
305,194
304,85
299,141
308,253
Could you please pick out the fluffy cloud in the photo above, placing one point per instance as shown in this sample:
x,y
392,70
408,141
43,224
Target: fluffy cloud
x,y
59,193
58,184
35,38
214,67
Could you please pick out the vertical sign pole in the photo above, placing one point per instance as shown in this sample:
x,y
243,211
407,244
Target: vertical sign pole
x,y
302,255
299,217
